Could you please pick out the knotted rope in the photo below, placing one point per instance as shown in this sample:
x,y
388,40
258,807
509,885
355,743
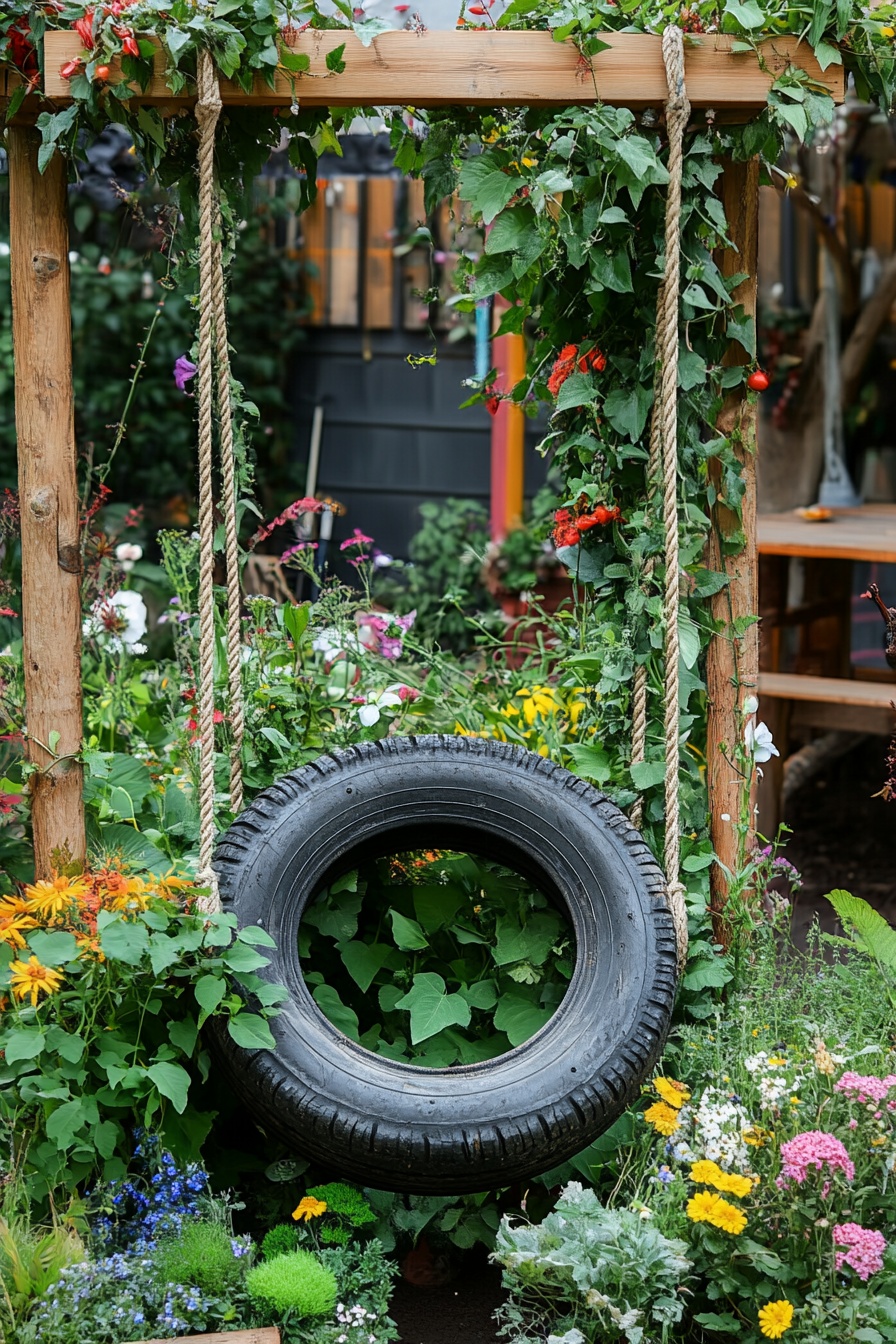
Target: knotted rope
x,y
663,464
214,353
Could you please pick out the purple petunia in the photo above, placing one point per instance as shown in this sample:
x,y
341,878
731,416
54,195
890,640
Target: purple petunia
x,y
184,370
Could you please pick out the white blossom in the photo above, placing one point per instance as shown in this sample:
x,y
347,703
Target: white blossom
x,y
127,555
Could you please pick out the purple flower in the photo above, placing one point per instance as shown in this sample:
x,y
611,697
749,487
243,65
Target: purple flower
x,y
184,370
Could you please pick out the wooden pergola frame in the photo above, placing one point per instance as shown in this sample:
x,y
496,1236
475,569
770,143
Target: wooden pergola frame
x,y
430,69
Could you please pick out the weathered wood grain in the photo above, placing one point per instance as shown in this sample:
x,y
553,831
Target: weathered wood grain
x,y
488,68
268,1335
48,492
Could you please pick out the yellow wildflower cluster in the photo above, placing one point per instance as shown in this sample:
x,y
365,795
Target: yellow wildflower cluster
x,y
70,904
673,1093
713,1209
710,1173
539,717
663,1118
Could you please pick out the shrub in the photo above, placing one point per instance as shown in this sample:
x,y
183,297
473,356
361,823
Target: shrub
x,y
347,1211
202,1254
296,1283
281,1240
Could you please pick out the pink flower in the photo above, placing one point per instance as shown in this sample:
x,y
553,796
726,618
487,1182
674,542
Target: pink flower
x,y
356,539
865,1249
184,370
814,1148
864,1087
407,693
385,634
8,801
294,550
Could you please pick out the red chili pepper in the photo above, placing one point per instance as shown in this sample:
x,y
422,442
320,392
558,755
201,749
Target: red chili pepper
x,y
84,28
71,68
758,381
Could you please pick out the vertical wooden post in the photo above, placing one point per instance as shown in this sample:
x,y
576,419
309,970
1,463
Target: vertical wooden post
x,y
508,438
732,671
48,493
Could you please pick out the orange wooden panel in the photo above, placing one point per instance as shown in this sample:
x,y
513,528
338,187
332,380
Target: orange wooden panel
x,y
317,256
882,224
379,261
343,197
415,271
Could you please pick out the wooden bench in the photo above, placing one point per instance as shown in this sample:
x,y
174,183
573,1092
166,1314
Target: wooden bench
x,y
790,702
268,1335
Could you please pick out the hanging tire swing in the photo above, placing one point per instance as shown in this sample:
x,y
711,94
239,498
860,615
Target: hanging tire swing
x,y
406,1127
398,1125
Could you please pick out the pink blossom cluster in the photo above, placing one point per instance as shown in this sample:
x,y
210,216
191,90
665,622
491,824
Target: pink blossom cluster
x,y
866,1249
385,634
814,1148
864,1087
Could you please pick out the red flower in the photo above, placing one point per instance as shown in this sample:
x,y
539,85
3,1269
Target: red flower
x,y
597,517
129,45
566,535
8,611
563,367
19,48
70,68
9,800
595,361
562,516
493,404
84,28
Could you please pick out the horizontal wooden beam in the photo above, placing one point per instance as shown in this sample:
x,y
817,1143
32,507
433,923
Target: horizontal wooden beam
x,y
497,69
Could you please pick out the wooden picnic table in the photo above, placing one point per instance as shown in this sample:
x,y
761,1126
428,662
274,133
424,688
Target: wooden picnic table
x,y
867,532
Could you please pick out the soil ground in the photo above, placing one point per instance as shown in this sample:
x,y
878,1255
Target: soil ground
x,y
842,837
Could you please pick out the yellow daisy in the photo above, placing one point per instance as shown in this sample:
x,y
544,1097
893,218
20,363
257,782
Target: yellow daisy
x,y
48,899
775,1318
309,1208
673,1093
709,1173
32,978
706,1208
14,927
662,1117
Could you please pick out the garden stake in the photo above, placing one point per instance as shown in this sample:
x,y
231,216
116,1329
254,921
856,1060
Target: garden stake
x,y
664,454
213,341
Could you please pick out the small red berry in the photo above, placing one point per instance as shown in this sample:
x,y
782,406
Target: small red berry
x,y
101,73
758,381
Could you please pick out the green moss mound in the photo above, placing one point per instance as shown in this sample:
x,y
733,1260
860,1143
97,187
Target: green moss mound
x,y
200,1255
297,1282
281,1240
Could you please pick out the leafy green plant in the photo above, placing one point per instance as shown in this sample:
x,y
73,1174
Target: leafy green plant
x,y
435,956
296,1283
280,1240
870,931
201,1254
347,1213
109,979
459,1220
590,1273
31,1259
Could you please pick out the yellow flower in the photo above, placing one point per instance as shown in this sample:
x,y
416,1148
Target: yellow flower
x,y
775,1318
706,1208
791,182
888,31
880,1142
13,928
673,1093
756,1136
14,905
309,1208
777,1062
47,899
709,1173
31,977
662,1117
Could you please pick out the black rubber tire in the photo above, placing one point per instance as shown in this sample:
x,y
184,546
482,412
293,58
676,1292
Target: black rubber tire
x,y
440,1131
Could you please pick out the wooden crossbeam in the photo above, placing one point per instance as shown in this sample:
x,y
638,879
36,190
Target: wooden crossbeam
x,y
498,69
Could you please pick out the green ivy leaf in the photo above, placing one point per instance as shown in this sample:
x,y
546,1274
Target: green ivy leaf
x,y
407,933
122,940
532,942
627,410
184,1034
484,994
171,1081
342,1017
487,187
520,1018
53,948
65,1043
251,1032
23,1043
578,390
64,1124
432,1008
747,13
209,991
364,961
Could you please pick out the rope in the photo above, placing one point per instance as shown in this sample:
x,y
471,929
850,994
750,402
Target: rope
x,y
664,462
214,351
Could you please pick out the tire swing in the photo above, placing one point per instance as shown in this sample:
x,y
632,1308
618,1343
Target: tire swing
x,y
396,1125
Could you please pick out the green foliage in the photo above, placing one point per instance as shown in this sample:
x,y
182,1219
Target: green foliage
x,y
436,957
590,1273
201,1254
280,1240
297,1283
461,1220
348,1212
111,1039
871,932
31,1259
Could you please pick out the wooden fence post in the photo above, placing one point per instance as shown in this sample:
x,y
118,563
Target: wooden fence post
x,y
48,493
732,671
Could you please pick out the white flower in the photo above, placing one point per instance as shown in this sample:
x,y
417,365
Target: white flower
x,y
751,704
758,740
127,555
119,621
369,714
